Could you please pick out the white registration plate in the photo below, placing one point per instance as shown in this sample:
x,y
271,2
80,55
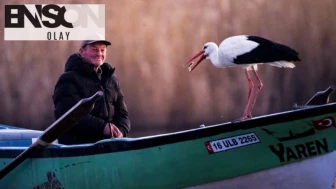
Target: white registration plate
x,y
231,142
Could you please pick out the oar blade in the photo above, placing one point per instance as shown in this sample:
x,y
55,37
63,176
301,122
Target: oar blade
x,y
60,126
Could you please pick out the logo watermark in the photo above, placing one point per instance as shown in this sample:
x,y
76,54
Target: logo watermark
x,y
53,21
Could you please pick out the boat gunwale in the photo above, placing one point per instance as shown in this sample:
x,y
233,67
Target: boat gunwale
x,y
127,144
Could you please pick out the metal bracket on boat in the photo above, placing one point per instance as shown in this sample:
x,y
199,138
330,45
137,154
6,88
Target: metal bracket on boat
x,y
320,98
202,126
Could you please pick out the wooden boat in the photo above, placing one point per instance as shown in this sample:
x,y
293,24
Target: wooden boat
x,y
205,157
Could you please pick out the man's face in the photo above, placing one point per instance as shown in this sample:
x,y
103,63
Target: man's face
x,y
94,53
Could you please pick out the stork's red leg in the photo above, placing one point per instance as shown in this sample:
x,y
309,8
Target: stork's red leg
x,y
260,85
251,85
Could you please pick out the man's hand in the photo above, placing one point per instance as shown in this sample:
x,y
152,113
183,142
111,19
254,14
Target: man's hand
x,y
116,132
112,130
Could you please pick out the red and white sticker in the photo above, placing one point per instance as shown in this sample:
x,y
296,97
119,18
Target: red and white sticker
x,y
324,123
231,142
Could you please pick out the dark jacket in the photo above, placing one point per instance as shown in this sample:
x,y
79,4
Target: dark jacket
x,y
81,81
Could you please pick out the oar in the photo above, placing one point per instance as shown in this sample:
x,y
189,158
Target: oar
x,y
59,127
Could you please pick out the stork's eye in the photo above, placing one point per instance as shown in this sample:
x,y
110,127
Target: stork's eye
x,y
205,47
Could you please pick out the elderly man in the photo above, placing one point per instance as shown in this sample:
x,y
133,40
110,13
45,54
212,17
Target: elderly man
x,y
85,74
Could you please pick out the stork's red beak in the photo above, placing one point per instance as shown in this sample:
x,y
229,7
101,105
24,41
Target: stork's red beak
x,y
192,65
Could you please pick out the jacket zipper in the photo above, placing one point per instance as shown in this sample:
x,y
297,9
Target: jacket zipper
x,y
105,99
106,103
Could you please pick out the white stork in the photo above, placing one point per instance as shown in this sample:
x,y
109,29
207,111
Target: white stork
x,y
247,52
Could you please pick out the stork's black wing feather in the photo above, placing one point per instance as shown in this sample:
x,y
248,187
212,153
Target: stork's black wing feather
x,y
267,51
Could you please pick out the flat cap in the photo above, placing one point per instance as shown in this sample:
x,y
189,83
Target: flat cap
x,y
93,39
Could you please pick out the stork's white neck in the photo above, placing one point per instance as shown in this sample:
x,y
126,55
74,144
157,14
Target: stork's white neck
x,y
213,56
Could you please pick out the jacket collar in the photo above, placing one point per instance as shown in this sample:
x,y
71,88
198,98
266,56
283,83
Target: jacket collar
x,y
76,63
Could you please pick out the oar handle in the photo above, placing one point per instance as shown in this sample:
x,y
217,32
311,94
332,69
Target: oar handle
x,y
70,118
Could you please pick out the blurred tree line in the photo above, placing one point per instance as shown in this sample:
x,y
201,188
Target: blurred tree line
x,y
152,39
